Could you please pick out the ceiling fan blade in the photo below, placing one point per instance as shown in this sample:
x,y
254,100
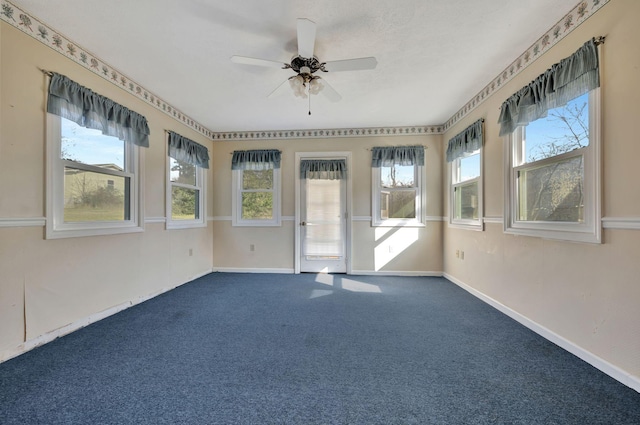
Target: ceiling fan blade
x,y
306,37
329,92
351,64
258,62
279,90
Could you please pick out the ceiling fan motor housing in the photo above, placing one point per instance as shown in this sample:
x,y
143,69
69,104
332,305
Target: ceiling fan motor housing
x,y
313,64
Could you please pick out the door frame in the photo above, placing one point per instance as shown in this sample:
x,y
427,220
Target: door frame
x,y
323,155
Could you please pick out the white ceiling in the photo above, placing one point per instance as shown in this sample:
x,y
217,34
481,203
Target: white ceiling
x,y
433,55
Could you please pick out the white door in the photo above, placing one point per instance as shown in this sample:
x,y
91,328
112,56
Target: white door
x,y
322,226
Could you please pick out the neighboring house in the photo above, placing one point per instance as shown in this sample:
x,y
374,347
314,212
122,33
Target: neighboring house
x,y
82,187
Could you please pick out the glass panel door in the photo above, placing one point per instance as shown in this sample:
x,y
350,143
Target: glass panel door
x,y
322,235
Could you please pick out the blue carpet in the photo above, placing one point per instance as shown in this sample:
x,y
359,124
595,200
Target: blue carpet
x,y
289,349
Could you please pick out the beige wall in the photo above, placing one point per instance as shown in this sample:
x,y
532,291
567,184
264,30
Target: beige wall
x,y
49,284
586,294
274,246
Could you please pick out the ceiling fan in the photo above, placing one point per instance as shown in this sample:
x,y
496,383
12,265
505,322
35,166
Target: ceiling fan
x,y
305,82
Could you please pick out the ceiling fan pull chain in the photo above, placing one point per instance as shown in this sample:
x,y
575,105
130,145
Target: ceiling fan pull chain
x,y
309,89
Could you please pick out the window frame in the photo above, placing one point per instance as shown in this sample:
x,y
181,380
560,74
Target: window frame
x,y
236,201
200,186
590,230
55,227
376,200
454,169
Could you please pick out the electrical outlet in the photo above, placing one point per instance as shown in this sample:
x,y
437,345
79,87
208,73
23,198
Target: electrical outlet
x,y
190,252
462,255
252,247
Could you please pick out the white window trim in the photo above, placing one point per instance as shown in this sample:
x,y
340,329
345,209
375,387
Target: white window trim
x,y
421,196
236,202
590,230
201,186
468,224
55,226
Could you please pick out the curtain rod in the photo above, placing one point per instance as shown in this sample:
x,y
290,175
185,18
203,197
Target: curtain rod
x,y
45,72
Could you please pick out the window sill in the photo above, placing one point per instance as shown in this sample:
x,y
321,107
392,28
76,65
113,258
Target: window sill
x,y
95,231
177,225
561,235
475,225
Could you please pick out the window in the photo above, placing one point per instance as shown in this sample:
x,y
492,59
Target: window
x,y
93,160
187,161
397,184
256,188
464,153
92,182
552,152
185,195
466,191
554,173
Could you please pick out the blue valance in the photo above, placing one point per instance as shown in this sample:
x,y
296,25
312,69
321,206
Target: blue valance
x,y
323,169
564,81
466,142
260,159
79,104
388,156
187,150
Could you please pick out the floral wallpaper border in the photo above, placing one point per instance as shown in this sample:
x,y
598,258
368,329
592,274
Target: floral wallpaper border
x,y
30,25
568,23
336,132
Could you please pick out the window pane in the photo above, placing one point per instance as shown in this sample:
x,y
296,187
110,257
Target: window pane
x,y
91,147
257,205
564,129
553,192
398,204
182,172
469,168
398,176
90,196
184,203
252,179
466,201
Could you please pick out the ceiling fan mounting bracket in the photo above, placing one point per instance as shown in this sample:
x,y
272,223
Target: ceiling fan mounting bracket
x,y
313,64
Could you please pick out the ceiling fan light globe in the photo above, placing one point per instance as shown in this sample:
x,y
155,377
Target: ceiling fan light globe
x,y
296,81
298,87
315,86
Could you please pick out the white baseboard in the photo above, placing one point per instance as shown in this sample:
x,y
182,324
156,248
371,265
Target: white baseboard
x,y
81,323
395,273
353,272
251,270
613,371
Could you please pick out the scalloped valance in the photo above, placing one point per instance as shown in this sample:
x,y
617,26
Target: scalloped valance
x,y
81,105
571,77
387,156
187,150
258,159
467,141
323,169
